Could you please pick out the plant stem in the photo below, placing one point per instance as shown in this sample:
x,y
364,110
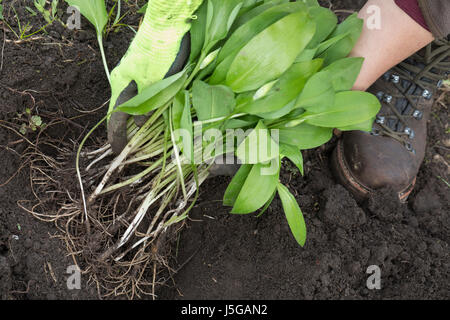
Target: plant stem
x,y
102,51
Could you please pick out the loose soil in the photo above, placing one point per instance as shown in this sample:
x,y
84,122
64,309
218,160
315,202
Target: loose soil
x,y
59,76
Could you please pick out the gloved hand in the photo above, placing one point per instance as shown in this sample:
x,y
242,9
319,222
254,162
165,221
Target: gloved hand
x,y
160,49
117,125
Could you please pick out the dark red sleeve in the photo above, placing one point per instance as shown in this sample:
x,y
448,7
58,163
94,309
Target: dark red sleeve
x,y
411,7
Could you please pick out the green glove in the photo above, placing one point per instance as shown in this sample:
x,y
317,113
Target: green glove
x,y
160,49
156,45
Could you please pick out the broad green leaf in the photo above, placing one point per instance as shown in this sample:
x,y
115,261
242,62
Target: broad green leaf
x,y
318,94
350,108
363,126
293,213
269,54
338,51
305,136
257,24
249,13
220,73
244,34
352,26
267,205
154,96
212,102
344,73
220,17
258,187
294,154
306,55
289,86
94,11
236,184
279,113
324,46
242,122
258,146
198,32
326,22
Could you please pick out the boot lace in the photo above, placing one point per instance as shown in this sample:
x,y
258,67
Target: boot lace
x,y
417,77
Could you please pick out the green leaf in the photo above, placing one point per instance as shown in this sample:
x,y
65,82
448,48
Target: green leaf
x,y
236,184
363,126
257,24
289,86
220,73
245,33
352,27
306,55
269,54
311,3
198,32
326,22
324,46
258,188
293,213
305,136
242,122
318,94
94,11
181,113
278,113
143,9
350,108
249,14
1,12
154,96
258,146
220,17
212,102
344,72
294,154
267,205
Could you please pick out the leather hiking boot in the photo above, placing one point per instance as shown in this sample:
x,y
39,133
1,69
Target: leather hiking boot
x,y
391,155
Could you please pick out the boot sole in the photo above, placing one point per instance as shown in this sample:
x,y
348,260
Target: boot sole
x,y
341,171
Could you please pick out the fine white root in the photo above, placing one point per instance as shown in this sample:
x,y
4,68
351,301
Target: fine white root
x,y
103,156
152,197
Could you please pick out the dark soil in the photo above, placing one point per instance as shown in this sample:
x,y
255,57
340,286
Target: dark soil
x,y
58,75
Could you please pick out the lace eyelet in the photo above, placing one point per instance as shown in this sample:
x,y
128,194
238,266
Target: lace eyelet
x,y
418,115
395,78
410,132
427,94
387,98
380,120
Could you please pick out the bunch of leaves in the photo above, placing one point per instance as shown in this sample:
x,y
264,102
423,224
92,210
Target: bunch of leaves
x,y
264,66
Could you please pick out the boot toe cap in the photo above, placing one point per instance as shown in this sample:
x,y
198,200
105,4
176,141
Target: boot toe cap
x,y
372,162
